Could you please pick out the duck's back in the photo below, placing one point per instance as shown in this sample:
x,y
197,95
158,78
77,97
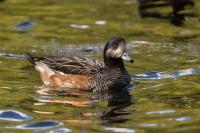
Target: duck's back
x,y
69,65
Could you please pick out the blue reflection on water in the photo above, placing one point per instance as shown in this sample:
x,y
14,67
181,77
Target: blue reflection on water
x,y
12,115
38,125
24,26
159,75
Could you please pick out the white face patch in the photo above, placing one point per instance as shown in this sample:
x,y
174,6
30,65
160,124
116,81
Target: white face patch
x,y
116,53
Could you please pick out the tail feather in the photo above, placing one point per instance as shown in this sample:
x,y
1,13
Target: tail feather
x,y
30,58
44,71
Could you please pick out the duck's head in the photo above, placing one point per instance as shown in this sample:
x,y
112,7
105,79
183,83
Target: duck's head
x,y
115,51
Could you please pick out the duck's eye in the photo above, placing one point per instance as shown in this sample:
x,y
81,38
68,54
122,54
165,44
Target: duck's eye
x,y
115,47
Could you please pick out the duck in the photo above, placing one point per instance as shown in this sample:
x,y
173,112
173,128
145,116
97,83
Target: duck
x,y
84,73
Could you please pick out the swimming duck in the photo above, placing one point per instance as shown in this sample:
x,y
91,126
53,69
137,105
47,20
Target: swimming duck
x,y
85,73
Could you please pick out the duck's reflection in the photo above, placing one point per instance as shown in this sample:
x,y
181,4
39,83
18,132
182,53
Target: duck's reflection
x,y
119,103
105,107
176,16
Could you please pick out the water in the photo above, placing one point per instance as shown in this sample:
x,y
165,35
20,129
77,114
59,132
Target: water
x,y
164,96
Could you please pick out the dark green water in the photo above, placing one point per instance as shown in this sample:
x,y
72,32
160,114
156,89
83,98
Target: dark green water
x,y
168,100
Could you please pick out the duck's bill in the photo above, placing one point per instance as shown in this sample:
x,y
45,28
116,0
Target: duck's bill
x,y
126,57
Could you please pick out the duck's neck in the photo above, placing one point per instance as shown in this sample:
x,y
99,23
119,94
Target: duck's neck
x,y
113,63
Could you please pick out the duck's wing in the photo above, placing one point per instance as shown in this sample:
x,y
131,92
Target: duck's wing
x,y
69,65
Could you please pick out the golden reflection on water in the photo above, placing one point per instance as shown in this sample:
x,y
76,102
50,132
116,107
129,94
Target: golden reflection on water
x,y
44,90
109,106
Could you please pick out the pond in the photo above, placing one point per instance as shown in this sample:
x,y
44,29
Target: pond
x,y
165,95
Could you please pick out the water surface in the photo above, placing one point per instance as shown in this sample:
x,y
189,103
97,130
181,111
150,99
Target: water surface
x,y
165,96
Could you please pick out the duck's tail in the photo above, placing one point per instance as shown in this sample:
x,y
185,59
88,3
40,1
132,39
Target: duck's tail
x,y
44,71
30,58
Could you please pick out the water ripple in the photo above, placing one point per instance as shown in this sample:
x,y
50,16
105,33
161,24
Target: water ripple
x,y
152,125
14,56
184,118
38,125
26,25
159,75
60,130
12,115
162,112
119,130
100,22
79,26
